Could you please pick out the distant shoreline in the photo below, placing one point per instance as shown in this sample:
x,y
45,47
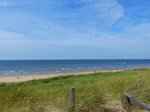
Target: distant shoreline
x,y
28,77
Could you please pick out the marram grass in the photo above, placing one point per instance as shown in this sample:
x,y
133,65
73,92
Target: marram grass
x,y
99,92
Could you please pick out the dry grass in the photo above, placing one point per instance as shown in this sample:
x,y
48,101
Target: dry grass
x,y
99,92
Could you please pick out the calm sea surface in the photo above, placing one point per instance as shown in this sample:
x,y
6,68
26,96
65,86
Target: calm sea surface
x,y
46,66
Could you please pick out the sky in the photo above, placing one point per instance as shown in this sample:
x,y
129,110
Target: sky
x,y
74,29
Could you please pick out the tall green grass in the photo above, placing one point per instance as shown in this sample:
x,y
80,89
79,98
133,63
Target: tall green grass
x,y
99,92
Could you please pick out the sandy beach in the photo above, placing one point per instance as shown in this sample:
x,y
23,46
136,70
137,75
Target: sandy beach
x,y
21,78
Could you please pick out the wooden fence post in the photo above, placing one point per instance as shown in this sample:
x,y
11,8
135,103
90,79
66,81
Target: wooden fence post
x,y
72,99
138,85
127,104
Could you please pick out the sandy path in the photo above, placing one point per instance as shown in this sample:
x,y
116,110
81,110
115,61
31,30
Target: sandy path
x,y
21,78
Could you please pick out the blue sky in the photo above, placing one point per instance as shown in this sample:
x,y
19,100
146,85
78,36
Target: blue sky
x,y
74,29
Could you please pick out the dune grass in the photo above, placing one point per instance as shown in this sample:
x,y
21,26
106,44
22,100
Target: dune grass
x,y
99,92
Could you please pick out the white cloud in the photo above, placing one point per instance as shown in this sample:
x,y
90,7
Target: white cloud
x,y
48,34
36,31
9,35
11,38
105,11
108,11
66,38
140,28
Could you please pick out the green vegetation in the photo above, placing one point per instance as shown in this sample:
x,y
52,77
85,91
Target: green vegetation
x,y
99,92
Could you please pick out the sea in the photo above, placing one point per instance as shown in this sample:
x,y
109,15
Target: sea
x,y
14,67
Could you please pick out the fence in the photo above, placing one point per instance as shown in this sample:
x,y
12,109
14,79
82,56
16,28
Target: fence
x,y
127,97
127,106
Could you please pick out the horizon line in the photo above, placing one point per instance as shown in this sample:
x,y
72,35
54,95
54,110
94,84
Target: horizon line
x,y
72,59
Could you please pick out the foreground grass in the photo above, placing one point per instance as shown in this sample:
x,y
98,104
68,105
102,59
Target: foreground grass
x,y
99,92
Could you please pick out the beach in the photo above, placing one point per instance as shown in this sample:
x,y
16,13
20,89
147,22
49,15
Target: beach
x,y
28,77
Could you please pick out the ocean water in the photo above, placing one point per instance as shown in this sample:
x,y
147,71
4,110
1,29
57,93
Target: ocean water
x,y
13,67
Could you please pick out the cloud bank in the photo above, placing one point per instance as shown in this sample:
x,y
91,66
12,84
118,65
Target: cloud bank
x,y
57,26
